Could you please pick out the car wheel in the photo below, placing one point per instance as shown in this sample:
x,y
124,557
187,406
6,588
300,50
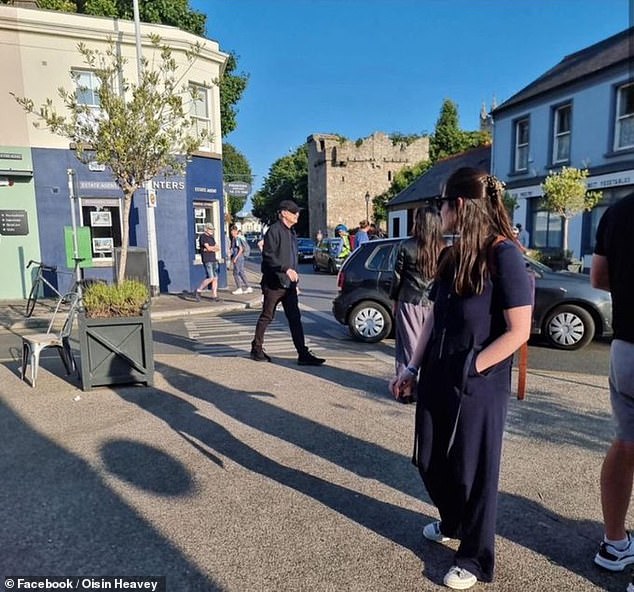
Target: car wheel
x,y
315,266
369,322
569,327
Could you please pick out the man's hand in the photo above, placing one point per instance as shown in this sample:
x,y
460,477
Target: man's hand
x,y
292,275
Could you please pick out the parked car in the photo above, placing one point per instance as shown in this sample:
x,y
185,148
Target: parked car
x,y
568,311
326,255
305,249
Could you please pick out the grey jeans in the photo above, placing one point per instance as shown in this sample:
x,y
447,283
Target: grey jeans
x,y
622,388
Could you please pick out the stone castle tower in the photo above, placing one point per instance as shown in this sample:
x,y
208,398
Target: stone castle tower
x,y
342,173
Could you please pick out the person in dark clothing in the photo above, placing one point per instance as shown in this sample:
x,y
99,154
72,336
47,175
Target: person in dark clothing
x,y
481,314
208,249
612,270
279,284
414,272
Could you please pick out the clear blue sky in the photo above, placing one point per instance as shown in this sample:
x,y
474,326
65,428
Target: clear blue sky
x,y
353,67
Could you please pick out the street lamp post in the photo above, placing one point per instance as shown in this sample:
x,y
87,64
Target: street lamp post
x,y
367,206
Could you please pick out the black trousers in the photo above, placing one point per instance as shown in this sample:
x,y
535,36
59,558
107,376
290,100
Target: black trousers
x,y
290,303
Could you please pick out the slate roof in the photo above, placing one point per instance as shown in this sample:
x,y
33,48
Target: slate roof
x,y
430,183
577,66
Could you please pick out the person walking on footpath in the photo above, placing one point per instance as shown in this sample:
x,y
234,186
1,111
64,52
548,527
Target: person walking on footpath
x,y
481,314
414,272
612,270
238,253
522,236
279,284
208,249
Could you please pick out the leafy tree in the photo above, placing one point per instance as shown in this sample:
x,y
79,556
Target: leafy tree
x,y
235,167
137,133
232,86
287,179
449,139
566,194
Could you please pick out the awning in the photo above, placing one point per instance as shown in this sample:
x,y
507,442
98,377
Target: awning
x,y
14,173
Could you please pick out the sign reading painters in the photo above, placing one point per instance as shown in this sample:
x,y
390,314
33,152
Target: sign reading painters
x,y
238,188
14,222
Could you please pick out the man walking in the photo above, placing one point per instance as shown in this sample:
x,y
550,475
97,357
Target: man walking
x,y
208,249
612,270
279,284
238,253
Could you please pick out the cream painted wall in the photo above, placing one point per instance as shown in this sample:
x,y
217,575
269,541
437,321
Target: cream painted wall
x,y
38,49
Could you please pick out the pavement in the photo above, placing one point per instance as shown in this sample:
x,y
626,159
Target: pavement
x,y
238,476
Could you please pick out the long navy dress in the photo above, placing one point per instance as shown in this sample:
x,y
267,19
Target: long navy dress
x,y
460,413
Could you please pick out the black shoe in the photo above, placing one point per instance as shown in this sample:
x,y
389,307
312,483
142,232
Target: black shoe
x,y
308,359
258,355
196,295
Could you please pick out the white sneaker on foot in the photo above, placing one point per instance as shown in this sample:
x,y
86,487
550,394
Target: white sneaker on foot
x,y
238,291
432,533
249,290
458,578
609,557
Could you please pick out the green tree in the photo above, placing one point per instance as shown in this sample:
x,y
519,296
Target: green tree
x,y
235,167
137,133
287,179
448,139
232,87
566,194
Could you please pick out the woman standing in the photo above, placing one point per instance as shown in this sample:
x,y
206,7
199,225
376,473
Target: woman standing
x,y
414,272
481,314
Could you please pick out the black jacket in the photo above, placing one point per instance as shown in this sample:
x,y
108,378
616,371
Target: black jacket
x,y
407,284
278,255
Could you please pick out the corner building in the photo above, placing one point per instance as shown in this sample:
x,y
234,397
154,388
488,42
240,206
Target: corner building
x,y
38,54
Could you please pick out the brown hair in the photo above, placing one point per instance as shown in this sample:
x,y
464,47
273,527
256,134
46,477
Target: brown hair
x,y
427,230
480,220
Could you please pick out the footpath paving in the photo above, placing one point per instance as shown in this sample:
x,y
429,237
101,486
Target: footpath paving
x,y
231,475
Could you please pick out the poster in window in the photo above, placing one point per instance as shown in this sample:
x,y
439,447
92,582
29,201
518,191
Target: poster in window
x,y
100,218
199,213
200,228
102,245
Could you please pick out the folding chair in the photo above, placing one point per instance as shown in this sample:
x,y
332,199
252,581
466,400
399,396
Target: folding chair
x,y
32,345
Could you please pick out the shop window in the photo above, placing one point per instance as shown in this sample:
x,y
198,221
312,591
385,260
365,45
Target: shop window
x,y
103,216
624,124
207,213
546,227
200,110
521,145
561,134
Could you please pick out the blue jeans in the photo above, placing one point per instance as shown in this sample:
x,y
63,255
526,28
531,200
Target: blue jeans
x,y
239,274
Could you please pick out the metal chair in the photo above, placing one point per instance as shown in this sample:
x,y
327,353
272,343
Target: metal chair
x,y
32,345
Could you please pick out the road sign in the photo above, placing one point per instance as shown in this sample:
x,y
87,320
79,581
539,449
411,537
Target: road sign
x,y
238,188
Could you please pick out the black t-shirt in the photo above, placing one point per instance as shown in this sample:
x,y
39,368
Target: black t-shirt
x,y
207,256
615,241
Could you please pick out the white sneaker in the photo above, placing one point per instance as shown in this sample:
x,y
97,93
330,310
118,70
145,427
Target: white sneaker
x,y
238,291
249,290
459,578
432,533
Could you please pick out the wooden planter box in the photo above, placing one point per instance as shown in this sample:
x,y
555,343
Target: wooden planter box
x,y
116,350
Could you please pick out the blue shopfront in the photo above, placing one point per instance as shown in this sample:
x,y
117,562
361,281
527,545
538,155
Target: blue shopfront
x,y
182,206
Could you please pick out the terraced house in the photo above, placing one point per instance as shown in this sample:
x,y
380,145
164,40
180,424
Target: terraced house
x,y
581,114
38,53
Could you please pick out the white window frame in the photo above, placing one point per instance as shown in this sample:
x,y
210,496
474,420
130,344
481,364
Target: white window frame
x,y
562,135
207,212
102,257
200,112
521,148
93,87
621,119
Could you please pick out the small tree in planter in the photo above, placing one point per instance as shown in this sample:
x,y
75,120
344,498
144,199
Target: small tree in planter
x,y
138,130
115,335
566,193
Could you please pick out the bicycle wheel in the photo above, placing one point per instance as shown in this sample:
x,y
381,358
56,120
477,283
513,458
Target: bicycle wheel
x,y
30,303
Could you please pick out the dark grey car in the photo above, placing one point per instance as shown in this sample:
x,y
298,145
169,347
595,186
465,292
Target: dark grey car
x,y
568,311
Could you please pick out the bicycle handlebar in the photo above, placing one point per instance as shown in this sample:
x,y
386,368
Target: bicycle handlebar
x,y
41,265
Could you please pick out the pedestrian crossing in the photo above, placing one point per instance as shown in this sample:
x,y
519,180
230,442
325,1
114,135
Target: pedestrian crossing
x,y
230,335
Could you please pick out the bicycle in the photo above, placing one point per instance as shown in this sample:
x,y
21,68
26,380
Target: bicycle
x,y
40,281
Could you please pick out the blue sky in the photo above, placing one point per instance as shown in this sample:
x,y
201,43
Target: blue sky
x,y
354,67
